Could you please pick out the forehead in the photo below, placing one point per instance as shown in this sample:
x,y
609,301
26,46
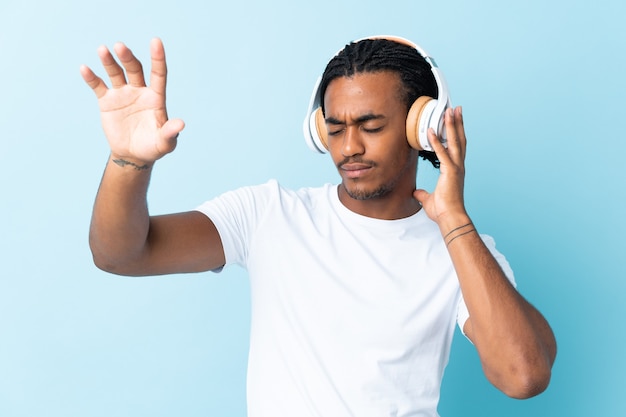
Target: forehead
x,y
364,92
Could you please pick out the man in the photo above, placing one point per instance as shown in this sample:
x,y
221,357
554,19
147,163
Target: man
x,y
355,287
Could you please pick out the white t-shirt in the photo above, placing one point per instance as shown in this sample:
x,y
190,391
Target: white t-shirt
x,y
351,316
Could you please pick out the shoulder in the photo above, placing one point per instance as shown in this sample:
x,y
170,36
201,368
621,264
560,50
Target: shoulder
x,y
269,193
274,191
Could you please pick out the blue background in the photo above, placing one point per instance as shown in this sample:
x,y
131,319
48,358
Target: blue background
x,y
542,86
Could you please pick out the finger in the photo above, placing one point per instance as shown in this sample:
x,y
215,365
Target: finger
x,y
461,130
97,85
172,128
158,71
452,135
133,67
169,135
438,148
112,68
421,196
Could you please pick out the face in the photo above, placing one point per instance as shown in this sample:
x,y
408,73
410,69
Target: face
x,y
366,122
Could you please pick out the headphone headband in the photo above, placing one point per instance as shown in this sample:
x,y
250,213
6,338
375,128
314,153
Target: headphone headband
x,y
429,114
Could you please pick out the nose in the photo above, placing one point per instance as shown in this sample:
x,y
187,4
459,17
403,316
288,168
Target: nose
x,y
352,144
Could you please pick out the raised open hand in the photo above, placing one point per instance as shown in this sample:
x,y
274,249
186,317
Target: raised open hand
x,y
134,115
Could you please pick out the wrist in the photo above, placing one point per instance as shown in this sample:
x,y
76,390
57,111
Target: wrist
x,y
450,222
130,163
454,227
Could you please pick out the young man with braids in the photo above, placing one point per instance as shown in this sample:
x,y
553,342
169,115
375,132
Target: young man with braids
x,y
356,287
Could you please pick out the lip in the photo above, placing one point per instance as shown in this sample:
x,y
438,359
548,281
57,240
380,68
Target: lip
x,y
355,169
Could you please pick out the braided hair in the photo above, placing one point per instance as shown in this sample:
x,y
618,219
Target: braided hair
x,y
375,55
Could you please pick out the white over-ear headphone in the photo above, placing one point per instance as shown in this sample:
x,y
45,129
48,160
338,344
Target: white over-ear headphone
x,y
426,112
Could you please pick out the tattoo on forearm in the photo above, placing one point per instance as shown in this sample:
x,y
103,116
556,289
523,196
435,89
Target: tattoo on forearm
x,y
459,235
123,163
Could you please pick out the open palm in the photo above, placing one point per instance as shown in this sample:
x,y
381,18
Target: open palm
x,y
134,116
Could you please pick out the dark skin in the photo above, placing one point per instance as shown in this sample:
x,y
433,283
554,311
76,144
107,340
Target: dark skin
x,y
367,141
124,238
366,122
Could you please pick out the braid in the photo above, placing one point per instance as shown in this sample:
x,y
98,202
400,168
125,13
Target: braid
x,y
374,55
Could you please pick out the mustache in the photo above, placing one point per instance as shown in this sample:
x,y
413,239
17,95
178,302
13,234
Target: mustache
x,y
356,160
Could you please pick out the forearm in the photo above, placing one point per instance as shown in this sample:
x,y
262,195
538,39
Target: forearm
x,y
120,220
514,341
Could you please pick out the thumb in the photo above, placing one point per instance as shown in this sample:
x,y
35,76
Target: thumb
x,y
172,128
169,134
421,195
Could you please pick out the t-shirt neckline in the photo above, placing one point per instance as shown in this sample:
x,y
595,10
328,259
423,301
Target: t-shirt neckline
x,y
346,213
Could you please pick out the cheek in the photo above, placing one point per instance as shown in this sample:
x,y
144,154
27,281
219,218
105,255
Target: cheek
x,y
335,152
393,148
402,155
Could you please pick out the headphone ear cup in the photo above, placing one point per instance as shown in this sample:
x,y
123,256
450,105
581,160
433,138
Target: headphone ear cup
x,y
414,118
320,127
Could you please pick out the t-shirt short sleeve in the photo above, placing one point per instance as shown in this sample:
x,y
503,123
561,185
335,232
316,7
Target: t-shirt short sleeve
x,y
235,215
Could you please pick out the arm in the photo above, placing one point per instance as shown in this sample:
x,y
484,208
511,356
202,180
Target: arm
x,y
123,237
515,343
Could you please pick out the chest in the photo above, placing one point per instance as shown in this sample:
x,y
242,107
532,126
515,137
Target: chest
x,y
367,286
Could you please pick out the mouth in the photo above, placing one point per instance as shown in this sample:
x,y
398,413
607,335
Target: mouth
x,y
355,169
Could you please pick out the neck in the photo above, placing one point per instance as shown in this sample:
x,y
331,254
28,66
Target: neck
x,y
396,205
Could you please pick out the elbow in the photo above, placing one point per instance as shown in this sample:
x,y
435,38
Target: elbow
x,y
526,380
116,268
105,264
529,374
108,262
99,257
116,254
528,385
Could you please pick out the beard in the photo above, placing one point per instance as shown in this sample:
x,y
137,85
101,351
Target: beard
x,y
361,194
357,192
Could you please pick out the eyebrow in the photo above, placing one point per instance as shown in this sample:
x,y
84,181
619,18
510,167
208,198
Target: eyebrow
x,y
361,119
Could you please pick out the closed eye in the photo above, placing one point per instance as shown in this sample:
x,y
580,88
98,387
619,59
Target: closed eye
x,y
335,131
373,129
368,123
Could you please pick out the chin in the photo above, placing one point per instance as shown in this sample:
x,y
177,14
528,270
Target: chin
x,y
363,194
